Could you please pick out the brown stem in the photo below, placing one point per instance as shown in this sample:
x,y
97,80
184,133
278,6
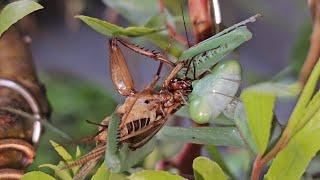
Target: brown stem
x,y
314,50
261,161
257,167
15,131
171,30
200,16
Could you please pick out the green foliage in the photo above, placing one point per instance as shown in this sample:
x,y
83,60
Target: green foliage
x,y
205,169
259,109
15,11
138,14
217,157
241,121
154,175
296,120
102,173
304,127
73,102
292,161
278,89
63,153
259,101
109,29
37,175
162,39
133,9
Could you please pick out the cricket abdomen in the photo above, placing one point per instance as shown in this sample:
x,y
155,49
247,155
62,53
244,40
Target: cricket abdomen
x,y
135,125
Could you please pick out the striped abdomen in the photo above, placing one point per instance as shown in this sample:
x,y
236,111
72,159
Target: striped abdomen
x,y
135,125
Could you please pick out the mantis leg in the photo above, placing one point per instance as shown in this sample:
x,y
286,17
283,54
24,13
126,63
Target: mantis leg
x,y
112,154
202,135
121,158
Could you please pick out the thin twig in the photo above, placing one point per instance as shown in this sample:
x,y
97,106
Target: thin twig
x,y
314,50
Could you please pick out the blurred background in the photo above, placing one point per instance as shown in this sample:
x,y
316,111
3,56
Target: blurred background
x,y
72,59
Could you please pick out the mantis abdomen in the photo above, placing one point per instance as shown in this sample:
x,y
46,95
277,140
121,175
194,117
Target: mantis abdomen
x,y
212,94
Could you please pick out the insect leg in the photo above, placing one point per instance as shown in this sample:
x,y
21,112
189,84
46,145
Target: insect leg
x,y
157,76
173,73
112,156
120,74
155,79
86,169
146,52
94,154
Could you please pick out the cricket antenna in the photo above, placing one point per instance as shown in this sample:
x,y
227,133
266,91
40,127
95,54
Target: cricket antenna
x,y
184,24
188,41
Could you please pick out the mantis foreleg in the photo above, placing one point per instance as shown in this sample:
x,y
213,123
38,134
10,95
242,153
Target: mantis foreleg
x,y
121,158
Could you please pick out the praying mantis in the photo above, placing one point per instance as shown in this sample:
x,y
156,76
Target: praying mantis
x,y
128,135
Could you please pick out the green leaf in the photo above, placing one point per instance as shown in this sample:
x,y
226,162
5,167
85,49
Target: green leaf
x,y
15,11
295,121
292,161
259,110
205,169
157,21
136,11
216,156
78,154
163,42
117,176
37,175
109,29
154,175
278,89
64,154
101,173
220,136
241,121
63,174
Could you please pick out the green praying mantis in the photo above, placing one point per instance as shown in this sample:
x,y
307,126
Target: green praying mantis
x,y
128,135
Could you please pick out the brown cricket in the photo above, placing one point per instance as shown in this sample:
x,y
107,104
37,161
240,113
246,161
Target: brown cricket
x,y
143,113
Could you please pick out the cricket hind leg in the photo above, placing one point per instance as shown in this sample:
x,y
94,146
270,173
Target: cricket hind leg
x,y
156,77
154,80
97,153
86,169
